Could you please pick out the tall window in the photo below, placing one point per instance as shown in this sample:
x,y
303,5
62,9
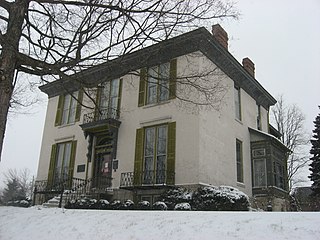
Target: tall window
x,y
158,83
259,172
239,161
110,98
237,102
69,108
62,162
278,172
155,154
259,117
154,161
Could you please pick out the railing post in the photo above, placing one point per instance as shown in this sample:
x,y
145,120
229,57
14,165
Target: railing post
x,y
61,195
34,196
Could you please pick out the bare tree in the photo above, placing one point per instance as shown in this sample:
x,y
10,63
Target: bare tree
x,y
56,39
289,120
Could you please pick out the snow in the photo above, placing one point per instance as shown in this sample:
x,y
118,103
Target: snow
x,y
38,223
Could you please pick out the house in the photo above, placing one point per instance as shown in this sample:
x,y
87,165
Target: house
x,y
144,134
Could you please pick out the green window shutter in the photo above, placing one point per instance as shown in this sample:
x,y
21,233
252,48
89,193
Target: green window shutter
x,y
52,165
59,111
173,79
72,161
79,105
142,87
138,158
119,97
171,154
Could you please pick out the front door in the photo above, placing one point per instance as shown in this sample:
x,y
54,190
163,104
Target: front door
x,y
103,170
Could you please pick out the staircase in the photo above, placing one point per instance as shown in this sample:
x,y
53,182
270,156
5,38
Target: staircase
x,y
54,203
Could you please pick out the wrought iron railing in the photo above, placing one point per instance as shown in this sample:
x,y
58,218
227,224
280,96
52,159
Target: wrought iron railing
x,y
72,188
102,114
145,178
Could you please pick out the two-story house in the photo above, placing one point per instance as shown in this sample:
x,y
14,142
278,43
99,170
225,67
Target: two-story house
x,y
131,127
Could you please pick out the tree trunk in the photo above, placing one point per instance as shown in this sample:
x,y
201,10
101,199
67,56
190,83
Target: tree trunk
x,y
8,59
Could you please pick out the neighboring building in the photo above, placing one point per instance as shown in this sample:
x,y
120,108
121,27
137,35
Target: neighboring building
x,y
140,138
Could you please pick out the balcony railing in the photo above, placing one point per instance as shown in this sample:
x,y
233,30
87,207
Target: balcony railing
x,y
102,114
147,178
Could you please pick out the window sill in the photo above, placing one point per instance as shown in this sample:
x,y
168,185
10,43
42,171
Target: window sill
x,y
66,125
239,184
239,121
156,104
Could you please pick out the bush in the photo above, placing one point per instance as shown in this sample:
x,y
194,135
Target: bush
x,y
83,203
222,198
20,203
159,206
182,207
127,205
115,205
174,196
103,204
143,205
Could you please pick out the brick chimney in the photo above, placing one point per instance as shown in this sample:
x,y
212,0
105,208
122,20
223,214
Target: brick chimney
x,y
221,35
248,65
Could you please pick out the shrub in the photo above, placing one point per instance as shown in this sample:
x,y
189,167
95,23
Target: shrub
x,y
159,206
103,204
20,203
83,203
182,207
115,205
222,198
174,196
143,205
127,205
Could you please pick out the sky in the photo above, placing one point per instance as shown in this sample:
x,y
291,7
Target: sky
x,y
187,225
281,38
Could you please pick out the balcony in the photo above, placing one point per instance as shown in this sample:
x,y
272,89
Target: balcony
x,y
102,119
146,179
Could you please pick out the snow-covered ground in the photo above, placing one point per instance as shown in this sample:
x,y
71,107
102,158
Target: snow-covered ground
x,y
54,224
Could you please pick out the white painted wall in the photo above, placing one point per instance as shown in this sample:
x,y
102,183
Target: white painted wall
x,y
205,139
53,135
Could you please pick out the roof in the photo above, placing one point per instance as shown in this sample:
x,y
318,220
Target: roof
x,y
197,40
271,137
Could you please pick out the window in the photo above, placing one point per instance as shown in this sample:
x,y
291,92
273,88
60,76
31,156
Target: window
x,y
259,117
239,160
237,102
109,99
62,162
155,155
278,173
259,173
69,108
157,83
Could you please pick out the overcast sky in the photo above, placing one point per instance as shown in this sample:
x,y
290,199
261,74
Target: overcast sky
x,y
282,38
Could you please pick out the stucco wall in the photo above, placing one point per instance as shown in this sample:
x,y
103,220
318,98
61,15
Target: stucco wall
x,y
53,135
205,139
